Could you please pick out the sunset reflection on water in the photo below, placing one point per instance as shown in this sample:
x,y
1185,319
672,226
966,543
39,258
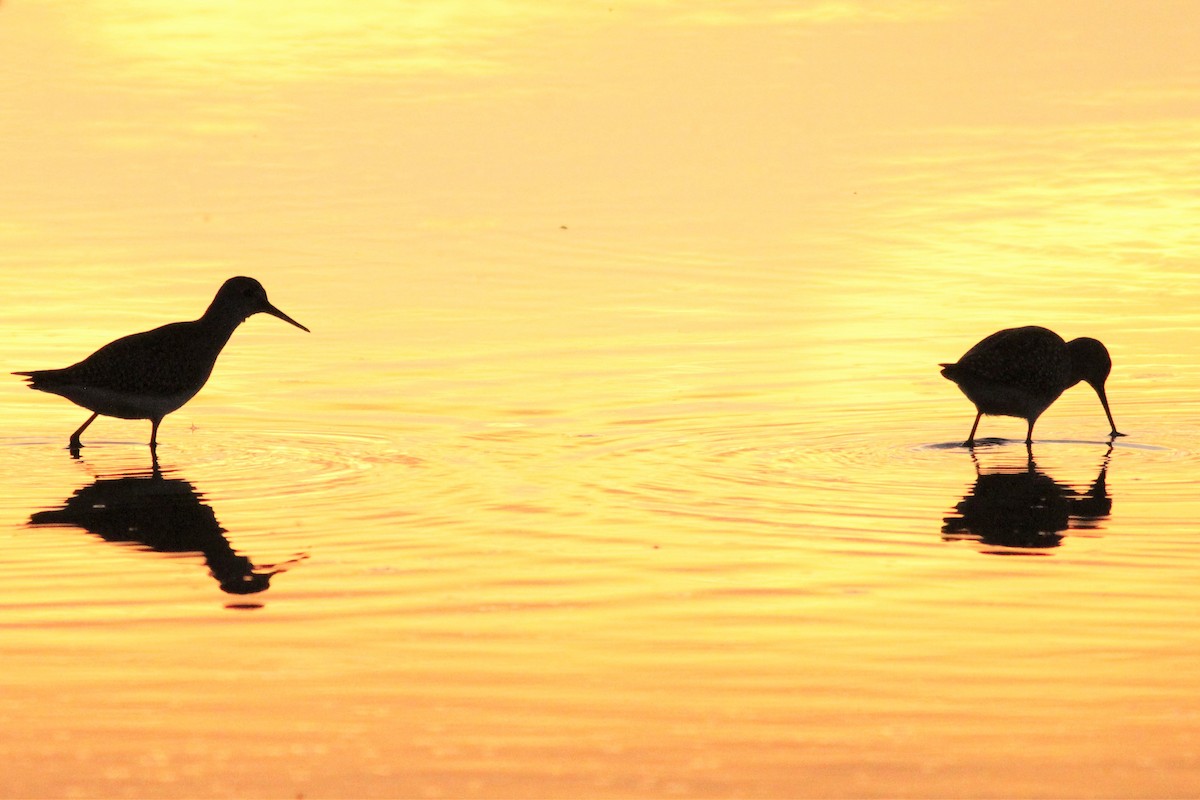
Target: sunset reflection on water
x,y
617,463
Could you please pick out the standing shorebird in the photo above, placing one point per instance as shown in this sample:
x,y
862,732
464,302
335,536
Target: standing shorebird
x,y
149,375
1019,372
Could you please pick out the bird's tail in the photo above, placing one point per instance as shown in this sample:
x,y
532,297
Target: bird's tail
x,y
34,377
949,371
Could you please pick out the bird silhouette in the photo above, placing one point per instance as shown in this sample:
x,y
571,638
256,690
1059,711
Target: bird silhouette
x,y
1020,372
148,375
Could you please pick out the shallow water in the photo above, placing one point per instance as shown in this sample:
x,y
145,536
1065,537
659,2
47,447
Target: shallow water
x,y
617,462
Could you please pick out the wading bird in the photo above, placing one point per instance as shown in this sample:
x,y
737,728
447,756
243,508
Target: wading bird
x,y
148,375
1019,372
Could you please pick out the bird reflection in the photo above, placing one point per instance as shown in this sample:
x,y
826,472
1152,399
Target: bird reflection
x,y
1026,508
166,515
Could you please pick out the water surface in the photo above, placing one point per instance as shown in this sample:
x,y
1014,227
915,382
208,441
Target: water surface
x,y
617,462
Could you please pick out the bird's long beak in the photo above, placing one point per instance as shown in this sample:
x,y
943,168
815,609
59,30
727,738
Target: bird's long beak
x,y
1104,402
275,312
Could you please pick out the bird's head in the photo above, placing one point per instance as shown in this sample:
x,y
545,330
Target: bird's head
x,y
1091,363
242,297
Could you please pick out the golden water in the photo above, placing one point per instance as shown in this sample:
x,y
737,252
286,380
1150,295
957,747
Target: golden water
x,y
617,463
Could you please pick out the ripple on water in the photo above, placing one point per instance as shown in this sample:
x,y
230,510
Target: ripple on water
x,y
761,477
350,496
730,486
271,465
854,481
297,465
246,513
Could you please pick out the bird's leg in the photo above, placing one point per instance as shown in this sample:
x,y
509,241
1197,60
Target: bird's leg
x,y
970,442
1029,433
75,443
154,435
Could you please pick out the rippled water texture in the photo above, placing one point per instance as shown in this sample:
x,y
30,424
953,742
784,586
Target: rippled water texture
x,y
617,462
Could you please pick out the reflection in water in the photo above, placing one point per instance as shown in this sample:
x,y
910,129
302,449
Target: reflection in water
x,y
1026,508
166,515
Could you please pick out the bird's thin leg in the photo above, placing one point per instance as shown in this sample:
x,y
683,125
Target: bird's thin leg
x,y
154,434
1029,434
75,443
970,442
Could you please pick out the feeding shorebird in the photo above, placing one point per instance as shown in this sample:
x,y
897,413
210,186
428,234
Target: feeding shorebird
x,y
148,375
1019,372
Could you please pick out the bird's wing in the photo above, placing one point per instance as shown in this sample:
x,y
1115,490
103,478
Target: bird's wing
x,y
1031,356
147,362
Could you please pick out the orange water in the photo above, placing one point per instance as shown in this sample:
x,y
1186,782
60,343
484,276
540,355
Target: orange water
x,y
617,463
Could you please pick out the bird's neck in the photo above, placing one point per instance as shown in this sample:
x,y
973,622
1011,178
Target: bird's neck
x,y
221,318
218,326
